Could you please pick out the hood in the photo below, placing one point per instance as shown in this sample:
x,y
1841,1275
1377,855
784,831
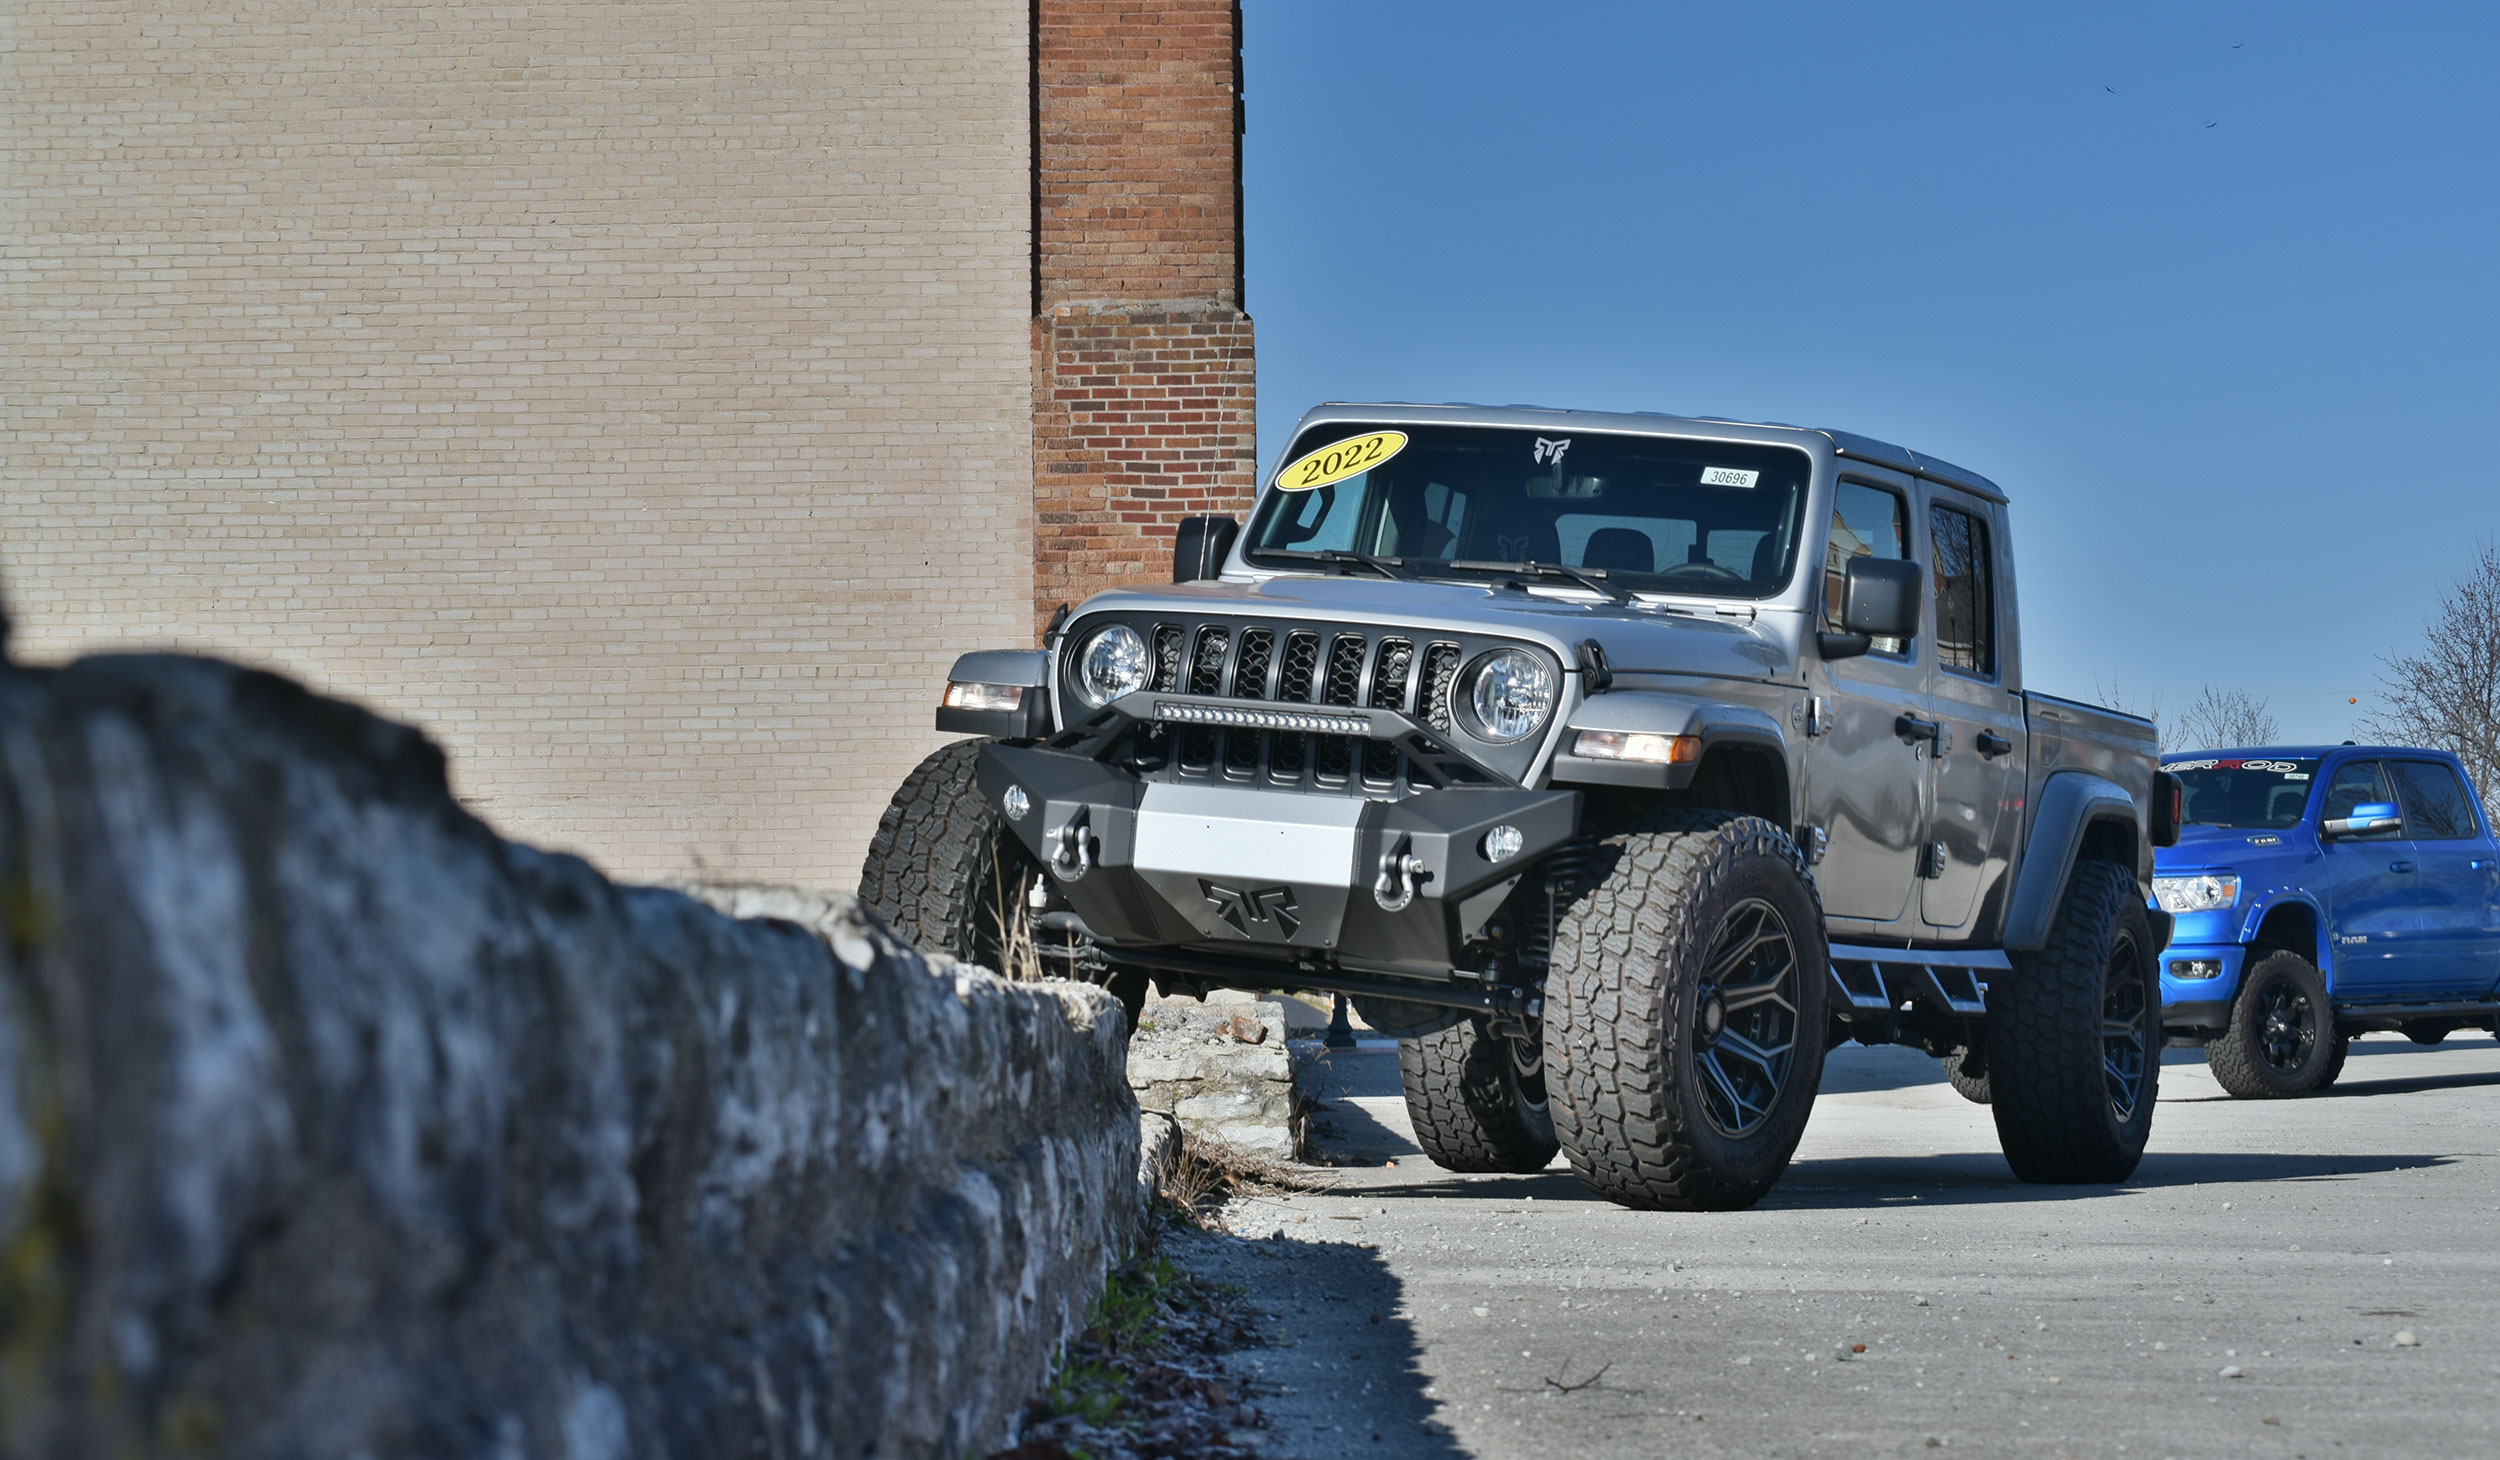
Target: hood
x,y
1750,643
2210,846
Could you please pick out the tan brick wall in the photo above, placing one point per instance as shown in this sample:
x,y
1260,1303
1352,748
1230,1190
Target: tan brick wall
x,y
634,393
1144,364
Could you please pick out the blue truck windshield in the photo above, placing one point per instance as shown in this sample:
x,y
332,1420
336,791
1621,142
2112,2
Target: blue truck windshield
x,y
2251,792
1652,514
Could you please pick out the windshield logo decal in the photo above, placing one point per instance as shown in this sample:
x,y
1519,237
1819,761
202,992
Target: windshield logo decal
x,y
1550,451
1514,549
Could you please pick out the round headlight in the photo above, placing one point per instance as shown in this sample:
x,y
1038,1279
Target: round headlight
x,y
1511,692
1112,663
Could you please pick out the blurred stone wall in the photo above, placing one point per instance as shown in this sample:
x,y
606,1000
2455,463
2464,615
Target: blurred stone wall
x,y
331,1124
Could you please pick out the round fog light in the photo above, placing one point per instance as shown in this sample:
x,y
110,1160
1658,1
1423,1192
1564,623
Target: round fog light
x,y
1503,843
1015,803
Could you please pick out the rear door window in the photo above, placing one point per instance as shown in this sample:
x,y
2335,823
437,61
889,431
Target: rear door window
x,y
2434,801
1965,604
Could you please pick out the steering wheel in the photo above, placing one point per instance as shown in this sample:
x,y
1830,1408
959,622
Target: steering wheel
x,y
1706,569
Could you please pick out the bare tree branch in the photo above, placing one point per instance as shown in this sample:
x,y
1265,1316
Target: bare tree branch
x,y
2222,720
2114,697
2447,697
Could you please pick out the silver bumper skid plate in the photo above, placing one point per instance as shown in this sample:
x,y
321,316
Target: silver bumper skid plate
x,y
1196,862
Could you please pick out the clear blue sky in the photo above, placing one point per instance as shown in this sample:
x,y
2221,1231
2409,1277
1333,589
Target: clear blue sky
x,y
2238,378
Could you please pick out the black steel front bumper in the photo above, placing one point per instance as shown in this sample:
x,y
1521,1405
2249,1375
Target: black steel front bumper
x,y
1394,886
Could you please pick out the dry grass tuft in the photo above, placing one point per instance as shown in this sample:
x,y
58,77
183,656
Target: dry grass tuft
x,y
1206,1175
1019,957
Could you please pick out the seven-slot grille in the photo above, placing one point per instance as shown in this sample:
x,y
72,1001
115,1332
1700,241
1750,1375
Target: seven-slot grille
x,y
1295,664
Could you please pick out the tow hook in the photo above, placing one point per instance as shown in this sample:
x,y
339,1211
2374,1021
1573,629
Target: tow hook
x,y
1072,852
1402,874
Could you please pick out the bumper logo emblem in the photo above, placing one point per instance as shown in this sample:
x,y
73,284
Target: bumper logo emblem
x,y
1263,907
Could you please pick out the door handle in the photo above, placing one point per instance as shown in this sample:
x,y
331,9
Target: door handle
x,y
2400,866
1912,728
1991,744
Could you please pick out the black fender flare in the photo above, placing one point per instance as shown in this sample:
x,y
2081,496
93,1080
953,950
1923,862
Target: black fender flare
x,y
2070,802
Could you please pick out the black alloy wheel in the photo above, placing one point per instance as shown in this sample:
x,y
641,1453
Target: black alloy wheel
x,y
2287,1028
1526,1046
1745,1019
2126,1032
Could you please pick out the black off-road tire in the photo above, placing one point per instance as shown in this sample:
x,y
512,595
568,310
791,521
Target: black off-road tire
x,y
1957,1073
2281,1038
2060,1028
1627,1005
938,855
944,871
2334,1062
1474,1108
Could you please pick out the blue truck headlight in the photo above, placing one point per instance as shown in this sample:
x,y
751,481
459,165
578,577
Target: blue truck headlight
x,y
2197,892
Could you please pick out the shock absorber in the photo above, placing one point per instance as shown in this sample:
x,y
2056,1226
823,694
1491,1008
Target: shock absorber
x,y
1566,870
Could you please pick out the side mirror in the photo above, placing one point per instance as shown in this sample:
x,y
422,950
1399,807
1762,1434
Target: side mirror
x,y
2169,808
1879,599
2368,817
1200,546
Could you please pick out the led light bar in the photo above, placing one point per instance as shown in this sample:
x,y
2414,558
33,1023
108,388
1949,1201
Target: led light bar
x,y
1297,721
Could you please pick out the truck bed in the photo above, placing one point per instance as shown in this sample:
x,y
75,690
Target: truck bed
x,y
2068,736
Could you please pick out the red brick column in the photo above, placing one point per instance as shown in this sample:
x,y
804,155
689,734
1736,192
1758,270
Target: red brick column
x,y
1143,362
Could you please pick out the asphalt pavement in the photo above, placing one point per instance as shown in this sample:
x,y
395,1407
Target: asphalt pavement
x,y
2307,1278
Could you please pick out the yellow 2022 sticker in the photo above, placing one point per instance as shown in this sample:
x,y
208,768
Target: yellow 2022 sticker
x,y
1338,460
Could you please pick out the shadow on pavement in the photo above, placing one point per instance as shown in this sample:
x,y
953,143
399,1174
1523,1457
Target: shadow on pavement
x,y
2349,1087
1958,1178
1862,1069
1344,1373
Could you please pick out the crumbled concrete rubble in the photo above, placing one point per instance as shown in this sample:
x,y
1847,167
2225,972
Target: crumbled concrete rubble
x,y
331,1124
1223,1070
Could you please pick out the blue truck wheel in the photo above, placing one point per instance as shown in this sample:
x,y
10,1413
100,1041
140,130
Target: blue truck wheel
x,y
2281,1038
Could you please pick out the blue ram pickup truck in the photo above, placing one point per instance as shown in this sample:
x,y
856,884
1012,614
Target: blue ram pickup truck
x,y
2320,892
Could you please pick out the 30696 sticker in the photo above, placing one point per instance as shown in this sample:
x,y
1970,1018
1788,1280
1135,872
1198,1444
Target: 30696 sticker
x,y
1338,460
1729,476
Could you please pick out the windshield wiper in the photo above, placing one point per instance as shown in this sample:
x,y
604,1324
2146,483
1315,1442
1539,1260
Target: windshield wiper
x,y
1339,557
1593,579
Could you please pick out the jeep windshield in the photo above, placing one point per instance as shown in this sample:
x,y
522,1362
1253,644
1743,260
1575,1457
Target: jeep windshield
x,y
1645,513
2251,792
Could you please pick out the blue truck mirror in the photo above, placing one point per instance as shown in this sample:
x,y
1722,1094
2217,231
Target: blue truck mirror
x,y
2367,817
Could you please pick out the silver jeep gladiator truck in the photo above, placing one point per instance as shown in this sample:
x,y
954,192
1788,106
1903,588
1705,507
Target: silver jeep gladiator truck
x,y
1617,765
